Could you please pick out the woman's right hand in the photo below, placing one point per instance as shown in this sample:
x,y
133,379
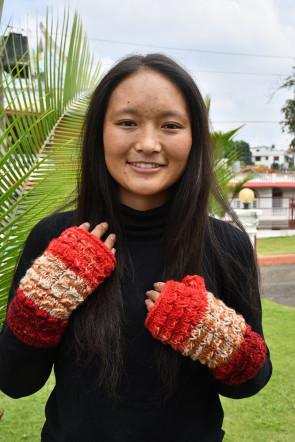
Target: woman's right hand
x,y
69,270
99,231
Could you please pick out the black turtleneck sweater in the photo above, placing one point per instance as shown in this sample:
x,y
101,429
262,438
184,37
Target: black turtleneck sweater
x,y
77,410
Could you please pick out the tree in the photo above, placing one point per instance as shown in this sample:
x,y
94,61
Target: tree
x,y
289,109
40,130
243,151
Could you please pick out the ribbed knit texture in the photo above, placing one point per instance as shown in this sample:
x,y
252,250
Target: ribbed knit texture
x,y
69,270
202,327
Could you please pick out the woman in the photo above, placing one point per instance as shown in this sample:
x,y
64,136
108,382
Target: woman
x,y
143,343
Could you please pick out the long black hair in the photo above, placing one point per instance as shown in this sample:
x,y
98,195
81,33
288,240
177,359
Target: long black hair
x,y
97,324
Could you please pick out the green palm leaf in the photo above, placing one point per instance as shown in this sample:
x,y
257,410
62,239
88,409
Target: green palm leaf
x,y
40,128
224,157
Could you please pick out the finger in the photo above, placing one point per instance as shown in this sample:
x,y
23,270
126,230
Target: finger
x,y
110,241
85,226
152,295
159,286
100,230
149,304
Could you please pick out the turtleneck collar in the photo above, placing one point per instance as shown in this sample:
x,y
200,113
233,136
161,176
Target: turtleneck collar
x,y
143,226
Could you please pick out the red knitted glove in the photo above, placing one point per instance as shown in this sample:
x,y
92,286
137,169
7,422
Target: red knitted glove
x,y
70,269
202,327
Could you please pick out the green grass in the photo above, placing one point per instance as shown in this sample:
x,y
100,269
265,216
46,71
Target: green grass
x,y
266,417
276,246
23,418
270,415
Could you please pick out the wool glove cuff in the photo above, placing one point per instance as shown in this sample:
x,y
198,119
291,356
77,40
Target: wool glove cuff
x,y
202,327
69,270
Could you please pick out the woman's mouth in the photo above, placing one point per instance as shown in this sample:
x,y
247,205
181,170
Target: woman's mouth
x,y
145,167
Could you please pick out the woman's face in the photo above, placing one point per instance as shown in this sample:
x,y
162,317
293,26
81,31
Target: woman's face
x,y
147,138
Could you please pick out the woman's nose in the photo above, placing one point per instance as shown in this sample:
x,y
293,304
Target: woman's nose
x,y
148,141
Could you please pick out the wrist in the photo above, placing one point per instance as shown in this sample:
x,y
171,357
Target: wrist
x,y
71,267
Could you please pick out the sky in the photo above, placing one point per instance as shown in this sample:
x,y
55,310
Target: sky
x,y
238,51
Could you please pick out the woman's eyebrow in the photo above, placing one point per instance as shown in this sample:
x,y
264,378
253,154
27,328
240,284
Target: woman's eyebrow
x,y
161,114
125,110
173,114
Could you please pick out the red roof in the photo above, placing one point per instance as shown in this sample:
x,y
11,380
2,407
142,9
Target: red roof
x,y
283,184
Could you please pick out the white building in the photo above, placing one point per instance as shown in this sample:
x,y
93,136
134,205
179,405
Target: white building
x,y
274,195
270,157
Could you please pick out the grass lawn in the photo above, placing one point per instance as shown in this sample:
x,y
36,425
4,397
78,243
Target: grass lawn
x,y
23,418
266,417
276,246
270,415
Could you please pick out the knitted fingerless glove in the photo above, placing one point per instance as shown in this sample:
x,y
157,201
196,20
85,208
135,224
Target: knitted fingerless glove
x,y
202,327
70,269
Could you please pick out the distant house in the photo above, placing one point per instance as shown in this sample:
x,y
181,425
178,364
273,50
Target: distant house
x,y
274,195
270,157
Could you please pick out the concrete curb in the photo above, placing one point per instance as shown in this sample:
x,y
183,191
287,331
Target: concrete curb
x,y
272,260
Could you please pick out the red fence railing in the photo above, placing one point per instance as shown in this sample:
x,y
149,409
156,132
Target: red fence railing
x,y
277,212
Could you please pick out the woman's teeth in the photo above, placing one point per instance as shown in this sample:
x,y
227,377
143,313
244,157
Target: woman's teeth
x,y
146,165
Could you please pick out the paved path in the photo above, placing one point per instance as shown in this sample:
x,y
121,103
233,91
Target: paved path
x,y
276,259
278,283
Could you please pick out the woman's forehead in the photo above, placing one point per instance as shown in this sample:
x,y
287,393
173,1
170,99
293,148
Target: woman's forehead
x,y
147,89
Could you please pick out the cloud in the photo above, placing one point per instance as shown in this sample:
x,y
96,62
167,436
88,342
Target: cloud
x,y
261,27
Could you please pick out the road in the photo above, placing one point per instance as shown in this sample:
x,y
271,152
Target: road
x,y
278,283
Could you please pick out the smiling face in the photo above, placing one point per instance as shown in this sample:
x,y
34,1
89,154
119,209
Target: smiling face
x,y
147,138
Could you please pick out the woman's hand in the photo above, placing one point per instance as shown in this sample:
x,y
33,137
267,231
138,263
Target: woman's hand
x,y
99,231
69,270
153,295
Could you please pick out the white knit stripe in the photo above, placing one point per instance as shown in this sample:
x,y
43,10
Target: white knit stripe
x,y
218,335
53,287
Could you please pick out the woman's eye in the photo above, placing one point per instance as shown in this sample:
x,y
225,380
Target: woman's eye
x,y
171,126
126,123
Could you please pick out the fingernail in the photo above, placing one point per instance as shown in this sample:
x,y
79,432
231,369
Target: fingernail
x,y
113,251
104,225
86,224
113,236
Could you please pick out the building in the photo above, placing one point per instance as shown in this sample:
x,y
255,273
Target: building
x,y
274,195
270,157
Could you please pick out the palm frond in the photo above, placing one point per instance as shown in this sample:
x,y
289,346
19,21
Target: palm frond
x,y
40,128
224,156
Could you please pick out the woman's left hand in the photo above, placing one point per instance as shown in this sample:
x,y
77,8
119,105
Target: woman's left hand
x,y
153,295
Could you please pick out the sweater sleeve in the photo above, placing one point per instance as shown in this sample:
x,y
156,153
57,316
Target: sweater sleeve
x,y
24,368
202,327
71,268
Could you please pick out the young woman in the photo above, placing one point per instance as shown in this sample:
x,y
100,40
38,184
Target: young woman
x,y
150,308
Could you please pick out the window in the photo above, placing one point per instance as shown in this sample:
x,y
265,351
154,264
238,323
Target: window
x,y
276,158
277,200
266,158
258,158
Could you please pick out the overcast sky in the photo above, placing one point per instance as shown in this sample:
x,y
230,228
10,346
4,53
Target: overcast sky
x,y
238,51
